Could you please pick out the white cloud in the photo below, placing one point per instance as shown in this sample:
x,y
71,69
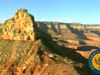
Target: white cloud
x,y
1,21
43,19
69,21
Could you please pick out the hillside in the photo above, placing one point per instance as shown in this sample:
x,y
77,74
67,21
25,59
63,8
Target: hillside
x,y
30,47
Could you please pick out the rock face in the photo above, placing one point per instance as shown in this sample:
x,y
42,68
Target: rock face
x,y
21,27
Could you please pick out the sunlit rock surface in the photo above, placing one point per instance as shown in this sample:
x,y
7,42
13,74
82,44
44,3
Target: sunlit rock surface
x,y
21,27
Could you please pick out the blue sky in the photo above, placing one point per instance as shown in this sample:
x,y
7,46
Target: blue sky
x,y
82,11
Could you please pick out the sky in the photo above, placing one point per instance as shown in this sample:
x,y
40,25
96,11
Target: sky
x,y
78,11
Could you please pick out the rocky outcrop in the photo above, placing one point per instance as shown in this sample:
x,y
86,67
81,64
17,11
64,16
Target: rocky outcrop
x,y
21,27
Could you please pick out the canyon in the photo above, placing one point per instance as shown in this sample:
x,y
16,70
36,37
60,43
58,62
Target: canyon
x,y
30,47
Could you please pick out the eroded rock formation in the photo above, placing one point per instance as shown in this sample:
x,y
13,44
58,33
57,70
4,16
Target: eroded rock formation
x,y
21,27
